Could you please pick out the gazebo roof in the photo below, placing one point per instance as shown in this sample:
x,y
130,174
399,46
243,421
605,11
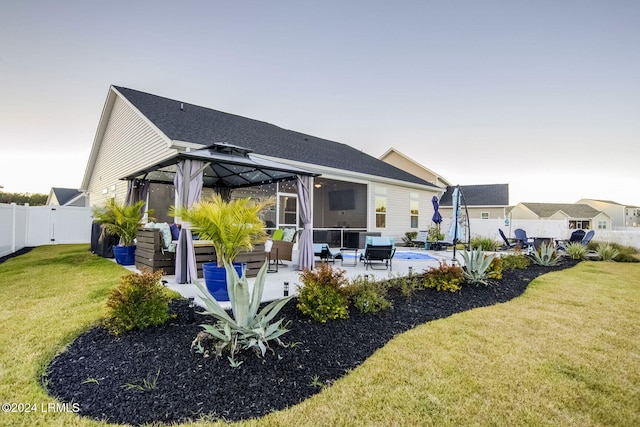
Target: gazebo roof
x,y
229,166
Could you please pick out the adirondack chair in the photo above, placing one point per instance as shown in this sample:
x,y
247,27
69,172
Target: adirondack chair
x,y
523,240
507,244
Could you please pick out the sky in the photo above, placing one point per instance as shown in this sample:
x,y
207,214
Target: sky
x,y
541,95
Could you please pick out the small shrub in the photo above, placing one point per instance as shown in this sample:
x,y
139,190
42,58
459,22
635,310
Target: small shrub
x,y
576,250
515,261
476,265
139,301
607,252
406,285
545,256
409,238
323,295
368,296
444,278
495,268
483,243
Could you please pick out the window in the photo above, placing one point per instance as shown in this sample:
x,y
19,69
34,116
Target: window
x,y
414,207
602,225
381,212
484,215
579,224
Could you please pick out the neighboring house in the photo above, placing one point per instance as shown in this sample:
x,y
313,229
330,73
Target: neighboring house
x,y
406,163
66,197
489,201
578,216
621,215
139,132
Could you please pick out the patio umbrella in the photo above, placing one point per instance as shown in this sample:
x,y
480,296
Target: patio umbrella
x,y
437,218
455,232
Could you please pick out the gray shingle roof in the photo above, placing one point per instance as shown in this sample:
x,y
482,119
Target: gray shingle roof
x,y
480,195
201,125
545,210
64,195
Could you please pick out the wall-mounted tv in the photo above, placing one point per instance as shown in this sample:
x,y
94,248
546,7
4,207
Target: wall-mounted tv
x,y
342,200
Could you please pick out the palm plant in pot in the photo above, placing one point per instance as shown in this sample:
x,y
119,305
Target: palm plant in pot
x,y
232,227
122,220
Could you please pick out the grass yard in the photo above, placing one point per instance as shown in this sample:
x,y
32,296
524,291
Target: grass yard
x,y
565,353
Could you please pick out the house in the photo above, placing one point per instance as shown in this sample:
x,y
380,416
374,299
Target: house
x,y
406,163
621,215
66,197
488,201
578,216
140,136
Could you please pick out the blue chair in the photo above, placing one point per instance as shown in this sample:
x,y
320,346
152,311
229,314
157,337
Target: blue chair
x,y
507,244
380,250
523,240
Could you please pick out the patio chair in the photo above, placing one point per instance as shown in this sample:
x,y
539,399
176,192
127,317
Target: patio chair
x,y
523,240
587,237
421,239
323,251
378,250
576,237
507,244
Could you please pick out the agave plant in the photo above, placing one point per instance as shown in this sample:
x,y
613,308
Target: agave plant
x,y
121,219
477,264
232,226
545,256
248,328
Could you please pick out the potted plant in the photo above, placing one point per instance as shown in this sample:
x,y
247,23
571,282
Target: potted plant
x,y
232,226
122,220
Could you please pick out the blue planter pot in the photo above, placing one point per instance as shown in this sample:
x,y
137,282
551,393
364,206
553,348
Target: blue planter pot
x,y
125,255
216,278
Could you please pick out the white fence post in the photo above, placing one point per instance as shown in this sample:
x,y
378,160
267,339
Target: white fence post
x,y
13,228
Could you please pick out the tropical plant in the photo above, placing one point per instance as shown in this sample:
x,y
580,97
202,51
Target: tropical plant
x,y
121,219
545,256
606,252
484,243
576,250
323,294
476,265
232,226
444,277
248,328
139,301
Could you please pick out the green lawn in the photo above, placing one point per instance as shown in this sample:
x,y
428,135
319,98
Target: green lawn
x,y
566,353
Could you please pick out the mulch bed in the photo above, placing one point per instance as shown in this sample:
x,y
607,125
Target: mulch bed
x,y
104,374
16,253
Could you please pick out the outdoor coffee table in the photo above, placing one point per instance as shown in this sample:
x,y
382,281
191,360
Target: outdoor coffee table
x,y
355,255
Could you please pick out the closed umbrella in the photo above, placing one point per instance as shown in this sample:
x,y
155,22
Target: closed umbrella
x,y
437,218
455,232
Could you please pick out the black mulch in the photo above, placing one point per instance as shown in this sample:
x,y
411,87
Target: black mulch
x,y
100,372
16,253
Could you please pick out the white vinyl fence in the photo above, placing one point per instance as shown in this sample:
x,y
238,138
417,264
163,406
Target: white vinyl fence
x,y
555,229
24,226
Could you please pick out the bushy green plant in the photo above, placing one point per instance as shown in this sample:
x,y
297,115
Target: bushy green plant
x,y
484,243
406,285
121,219
434,234
545,256
323,295
248,328
607,252
139,301
576,250
476,265
515,261
409,238
368,296
444,277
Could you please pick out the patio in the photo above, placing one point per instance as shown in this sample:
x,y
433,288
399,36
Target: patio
x,y
274,282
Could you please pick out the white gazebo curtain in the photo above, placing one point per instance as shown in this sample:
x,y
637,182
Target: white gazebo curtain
x,y
188,185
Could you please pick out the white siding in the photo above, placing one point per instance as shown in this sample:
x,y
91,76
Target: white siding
x,y
398,210
129,144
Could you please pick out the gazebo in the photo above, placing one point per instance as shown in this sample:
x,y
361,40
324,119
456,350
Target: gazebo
x,y
223,167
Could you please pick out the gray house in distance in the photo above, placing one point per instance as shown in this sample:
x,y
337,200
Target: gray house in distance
x,y
66,197
489,201
139,134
